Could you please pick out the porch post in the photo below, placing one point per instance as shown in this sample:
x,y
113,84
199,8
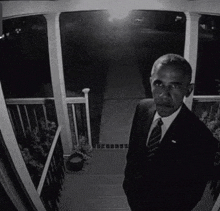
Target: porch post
x,y
18,162
191,47
57,77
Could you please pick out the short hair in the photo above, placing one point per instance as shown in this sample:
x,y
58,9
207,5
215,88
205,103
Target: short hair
x,y
174,60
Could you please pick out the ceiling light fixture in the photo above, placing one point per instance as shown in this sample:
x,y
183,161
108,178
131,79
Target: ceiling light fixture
x,y
118,12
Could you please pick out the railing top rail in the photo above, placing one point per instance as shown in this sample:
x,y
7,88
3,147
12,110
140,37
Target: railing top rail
x,y
200,98
41,100
206,98
47,164
27,100
75,100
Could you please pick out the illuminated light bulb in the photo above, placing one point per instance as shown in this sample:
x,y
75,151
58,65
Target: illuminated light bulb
x,y
118,13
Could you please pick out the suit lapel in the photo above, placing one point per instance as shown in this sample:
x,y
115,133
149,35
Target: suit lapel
x,y
175,131
147,121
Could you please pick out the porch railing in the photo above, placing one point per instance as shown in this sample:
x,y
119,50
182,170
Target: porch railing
x,y
206,98
52,177
27,113
79,120
207,109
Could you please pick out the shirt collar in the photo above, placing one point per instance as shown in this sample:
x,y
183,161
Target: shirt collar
x,y
167,120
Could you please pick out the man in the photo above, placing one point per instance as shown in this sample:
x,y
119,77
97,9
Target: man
x,y
169,174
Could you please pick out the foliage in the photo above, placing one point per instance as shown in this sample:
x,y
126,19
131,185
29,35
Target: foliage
x,y
83,148
212,120
36,146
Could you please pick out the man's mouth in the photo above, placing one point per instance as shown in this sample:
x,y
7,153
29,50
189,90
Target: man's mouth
x,y
164,105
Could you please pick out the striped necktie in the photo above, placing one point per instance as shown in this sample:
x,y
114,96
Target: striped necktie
x,y
154,139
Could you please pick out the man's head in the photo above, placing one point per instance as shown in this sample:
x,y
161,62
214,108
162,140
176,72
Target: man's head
x,y
170,83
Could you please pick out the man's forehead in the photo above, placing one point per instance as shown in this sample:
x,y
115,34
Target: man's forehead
x,y
169,74
169,71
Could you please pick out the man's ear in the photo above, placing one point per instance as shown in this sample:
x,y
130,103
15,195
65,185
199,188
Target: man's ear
x,y
189,89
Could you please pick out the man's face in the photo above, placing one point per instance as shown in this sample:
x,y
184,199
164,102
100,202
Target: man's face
x,y
169,86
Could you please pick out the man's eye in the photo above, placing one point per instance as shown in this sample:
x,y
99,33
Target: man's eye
x,y
158,84
175,86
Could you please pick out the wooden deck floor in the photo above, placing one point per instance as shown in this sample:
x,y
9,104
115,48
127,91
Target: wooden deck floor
x,y
99,186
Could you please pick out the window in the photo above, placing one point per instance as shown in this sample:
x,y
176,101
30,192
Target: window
x,y
208,63
24,60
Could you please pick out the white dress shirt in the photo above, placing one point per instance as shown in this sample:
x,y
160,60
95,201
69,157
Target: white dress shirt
x,y
166,122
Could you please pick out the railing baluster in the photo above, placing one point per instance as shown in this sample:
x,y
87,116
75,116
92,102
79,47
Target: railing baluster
x,y
35,117
20,117
86,91
45,115
75,124
27,116
82,120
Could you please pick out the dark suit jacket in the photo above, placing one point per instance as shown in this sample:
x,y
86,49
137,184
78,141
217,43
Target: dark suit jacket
x,y
178,172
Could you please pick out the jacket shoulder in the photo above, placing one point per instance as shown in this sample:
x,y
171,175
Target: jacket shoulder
x,y
195,124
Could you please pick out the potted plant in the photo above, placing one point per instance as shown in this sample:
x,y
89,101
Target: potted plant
x,y
80,154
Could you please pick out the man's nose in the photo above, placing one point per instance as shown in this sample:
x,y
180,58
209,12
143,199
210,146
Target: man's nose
x,y
165,92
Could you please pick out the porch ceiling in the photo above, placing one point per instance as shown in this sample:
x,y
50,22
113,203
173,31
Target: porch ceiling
x,y
18,8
